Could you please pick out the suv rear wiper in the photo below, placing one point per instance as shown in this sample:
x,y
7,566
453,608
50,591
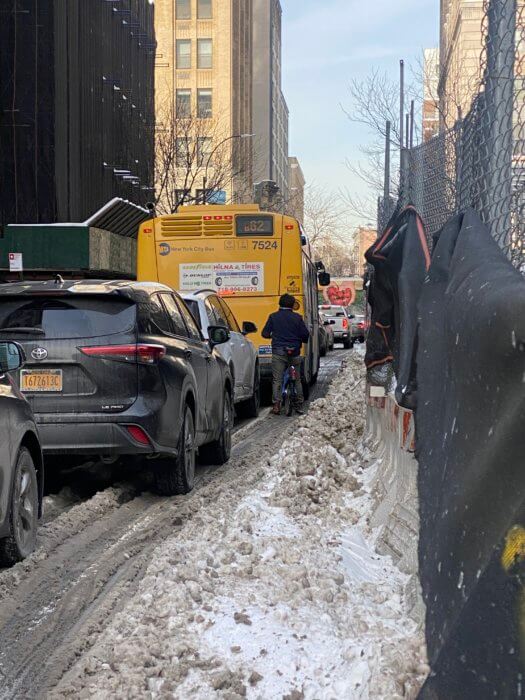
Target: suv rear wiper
x,y
24,329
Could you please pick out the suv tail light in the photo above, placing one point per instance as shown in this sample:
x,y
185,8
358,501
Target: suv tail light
x,y
141,353
345,323
138,434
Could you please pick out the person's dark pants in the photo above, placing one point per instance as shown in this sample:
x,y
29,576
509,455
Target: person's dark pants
x,y
280,364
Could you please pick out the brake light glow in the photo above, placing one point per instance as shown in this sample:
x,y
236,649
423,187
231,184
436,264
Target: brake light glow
x,y
360,325
345,323
138,434
289,227
206,218
142,353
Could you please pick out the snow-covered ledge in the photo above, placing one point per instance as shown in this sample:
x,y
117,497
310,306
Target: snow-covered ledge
x,y
390,436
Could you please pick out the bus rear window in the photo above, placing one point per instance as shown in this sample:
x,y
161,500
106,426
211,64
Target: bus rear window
x,y
254,225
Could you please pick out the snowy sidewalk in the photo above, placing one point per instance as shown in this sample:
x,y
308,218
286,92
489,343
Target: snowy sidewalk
x,y
272,589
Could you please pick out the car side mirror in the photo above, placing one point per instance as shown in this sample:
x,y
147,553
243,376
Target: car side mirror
x,y
324,279
11,357
248,327
218,335
327,323
332,322
351,316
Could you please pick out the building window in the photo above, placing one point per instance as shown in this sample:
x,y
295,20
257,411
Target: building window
x,y
183,9
183,53
183,104
204,53
204,104
182,196
204,9
182,152
203,196
203,151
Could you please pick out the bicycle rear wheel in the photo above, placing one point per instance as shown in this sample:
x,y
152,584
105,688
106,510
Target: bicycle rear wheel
x,y
288,401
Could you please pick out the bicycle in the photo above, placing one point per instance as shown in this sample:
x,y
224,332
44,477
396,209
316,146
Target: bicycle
x,y
289,390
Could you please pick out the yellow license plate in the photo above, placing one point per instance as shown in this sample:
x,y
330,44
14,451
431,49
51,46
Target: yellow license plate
x,y
41,380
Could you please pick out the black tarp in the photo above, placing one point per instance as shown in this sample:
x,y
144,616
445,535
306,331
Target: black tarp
x,y
400,259
470,423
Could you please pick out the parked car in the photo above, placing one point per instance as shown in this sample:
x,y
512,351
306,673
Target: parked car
x,y
326,333
341,326
358,328
21,465
242,356
121,368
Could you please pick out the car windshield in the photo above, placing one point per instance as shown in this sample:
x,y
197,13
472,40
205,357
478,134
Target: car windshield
x,y
66,318
333,312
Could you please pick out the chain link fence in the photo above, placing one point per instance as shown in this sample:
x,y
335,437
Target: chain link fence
x,y
480,161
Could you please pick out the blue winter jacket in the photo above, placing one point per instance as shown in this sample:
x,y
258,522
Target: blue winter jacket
x,y
287,330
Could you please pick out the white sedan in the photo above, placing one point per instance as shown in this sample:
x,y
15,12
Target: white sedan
x,y
240,353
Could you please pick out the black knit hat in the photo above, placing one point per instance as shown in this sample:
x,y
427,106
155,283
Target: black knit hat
x,y
287,301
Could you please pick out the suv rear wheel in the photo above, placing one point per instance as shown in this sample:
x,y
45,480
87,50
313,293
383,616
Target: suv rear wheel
x,y
218,451
250,408
176,475
23,516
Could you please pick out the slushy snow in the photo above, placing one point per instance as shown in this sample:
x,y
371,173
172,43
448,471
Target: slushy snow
x,y
273,588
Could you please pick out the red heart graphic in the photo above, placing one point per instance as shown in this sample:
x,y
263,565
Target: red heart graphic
x,y
338,296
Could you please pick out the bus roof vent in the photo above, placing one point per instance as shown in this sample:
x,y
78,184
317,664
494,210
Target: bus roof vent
x,y
183,226
218,225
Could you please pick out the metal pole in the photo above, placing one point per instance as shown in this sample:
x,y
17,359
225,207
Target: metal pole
x,y
386,191
402,150
401,100
411,144
407,129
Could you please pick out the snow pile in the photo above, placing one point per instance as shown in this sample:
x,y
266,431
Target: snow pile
x,y
272,588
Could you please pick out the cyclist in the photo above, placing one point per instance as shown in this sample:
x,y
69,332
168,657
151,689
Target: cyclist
x,y
288,332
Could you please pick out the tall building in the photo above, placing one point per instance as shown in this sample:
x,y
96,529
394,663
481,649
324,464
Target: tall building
x,y
461,43
270,112
203,71
430,94
76,107
296,185
364,237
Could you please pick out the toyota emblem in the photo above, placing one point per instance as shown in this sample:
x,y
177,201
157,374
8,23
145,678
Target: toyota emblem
x,y
39,354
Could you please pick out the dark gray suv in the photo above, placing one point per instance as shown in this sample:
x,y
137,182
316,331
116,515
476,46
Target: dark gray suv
x,y
21,468
121,368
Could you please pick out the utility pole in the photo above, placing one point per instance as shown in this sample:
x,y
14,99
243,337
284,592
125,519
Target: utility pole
x,y
401,101
411,144
386,191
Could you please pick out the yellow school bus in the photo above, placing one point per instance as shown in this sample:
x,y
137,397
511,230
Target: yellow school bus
x,y
248,256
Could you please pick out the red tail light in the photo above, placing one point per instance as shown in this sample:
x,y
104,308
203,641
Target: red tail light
x,y
360,325
138,434
141,353
345,323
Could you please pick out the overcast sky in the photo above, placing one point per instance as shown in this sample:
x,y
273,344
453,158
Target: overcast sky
x,y
326,43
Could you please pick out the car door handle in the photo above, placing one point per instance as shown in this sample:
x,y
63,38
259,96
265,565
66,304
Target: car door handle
x,y
188,354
